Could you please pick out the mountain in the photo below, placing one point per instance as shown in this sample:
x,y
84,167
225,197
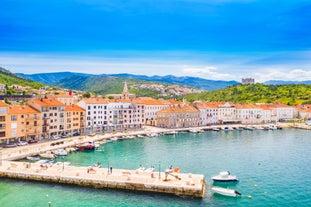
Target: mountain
x,y
51,78
280,82
8,78
199,83
63,79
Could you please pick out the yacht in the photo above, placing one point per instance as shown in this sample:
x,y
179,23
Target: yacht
x,y
224,176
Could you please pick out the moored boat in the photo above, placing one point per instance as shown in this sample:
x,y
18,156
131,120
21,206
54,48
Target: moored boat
x,y
226,191
33,158
224,176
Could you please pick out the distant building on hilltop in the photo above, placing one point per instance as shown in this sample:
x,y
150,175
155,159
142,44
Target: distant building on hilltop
x,y
248,81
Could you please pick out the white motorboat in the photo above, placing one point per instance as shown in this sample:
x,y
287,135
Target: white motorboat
x,y
224,176
60,152
33,158
226,191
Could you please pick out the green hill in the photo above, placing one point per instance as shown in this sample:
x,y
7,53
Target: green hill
x,y
104,84
258,93
8,78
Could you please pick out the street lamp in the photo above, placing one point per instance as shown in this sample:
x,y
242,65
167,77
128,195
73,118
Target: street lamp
x,y
159,170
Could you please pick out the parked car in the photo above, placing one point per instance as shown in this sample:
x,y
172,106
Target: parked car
x,y
55,137
31,141
64,136
76,134
22,143
10,145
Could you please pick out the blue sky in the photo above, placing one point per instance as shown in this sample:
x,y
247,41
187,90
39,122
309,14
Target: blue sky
x,y
212,39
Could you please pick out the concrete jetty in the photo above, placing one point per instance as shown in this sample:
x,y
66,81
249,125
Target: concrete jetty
x,y
180,184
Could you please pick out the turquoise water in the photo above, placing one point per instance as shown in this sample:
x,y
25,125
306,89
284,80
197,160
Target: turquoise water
x,y
273,168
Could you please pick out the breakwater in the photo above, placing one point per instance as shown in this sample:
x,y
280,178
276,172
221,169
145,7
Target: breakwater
x,y
180,184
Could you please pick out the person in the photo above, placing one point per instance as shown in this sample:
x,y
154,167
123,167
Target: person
x,y
170,170
110,170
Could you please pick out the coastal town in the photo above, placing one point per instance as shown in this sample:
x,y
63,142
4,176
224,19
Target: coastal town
x,y
61,115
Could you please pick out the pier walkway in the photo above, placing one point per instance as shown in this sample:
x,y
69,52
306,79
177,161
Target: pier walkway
x,y
192,185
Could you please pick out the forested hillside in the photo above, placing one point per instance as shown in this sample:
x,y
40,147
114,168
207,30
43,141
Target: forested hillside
x,y
258,93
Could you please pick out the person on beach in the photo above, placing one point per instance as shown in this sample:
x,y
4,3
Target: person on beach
x,y
110,170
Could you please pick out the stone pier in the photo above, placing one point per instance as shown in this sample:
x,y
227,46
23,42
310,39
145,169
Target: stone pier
x,y
181,184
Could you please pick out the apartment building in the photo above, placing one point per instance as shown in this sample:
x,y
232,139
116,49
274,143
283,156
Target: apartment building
x,y
52,116
74,119
96,114
24,123
208,112
4,121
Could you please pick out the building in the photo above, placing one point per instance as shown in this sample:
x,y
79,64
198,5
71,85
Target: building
x,y
248,81
52,116
248,113
180,116
125,94
208,112
24,123
96,114
75,119
4,121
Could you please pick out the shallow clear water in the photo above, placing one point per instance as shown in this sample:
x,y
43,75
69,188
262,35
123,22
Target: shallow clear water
x,y
273,167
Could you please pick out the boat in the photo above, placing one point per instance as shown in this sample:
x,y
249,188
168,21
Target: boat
x,y
47,155
86,146
60,152
32,158
43,162
226,191
224,176
272,127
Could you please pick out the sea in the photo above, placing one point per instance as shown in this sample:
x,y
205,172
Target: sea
x,y
273,167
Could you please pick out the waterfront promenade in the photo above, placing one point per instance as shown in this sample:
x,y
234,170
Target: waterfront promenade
x,y
48,145
180,184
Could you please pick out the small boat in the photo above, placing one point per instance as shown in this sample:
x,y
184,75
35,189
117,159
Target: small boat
x,y
224,176
272,127
226,191
43,162
33,158
60,152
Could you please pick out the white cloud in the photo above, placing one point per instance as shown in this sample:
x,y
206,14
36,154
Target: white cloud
x,y
208,72
281,74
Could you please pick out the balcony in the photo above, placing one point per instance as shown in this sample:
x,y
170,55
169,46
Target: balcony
x,y
46,117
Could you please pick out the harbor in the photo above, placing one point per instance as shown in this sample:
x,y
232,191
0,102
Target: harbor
x,y
179,184
258,158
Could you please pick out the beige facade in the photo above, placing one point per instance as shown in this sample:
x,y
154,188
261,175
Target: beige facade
x,y
75,119
52,116
4,122
180,116
24,123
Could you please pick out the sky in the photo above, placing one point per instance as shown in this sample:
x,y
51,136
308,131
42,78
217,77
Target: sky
x,y
211,39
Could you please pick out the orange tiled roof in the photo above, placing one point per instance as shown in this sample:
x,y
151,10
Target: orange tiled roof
x,y
2,104
22,110
180,109
95,101
119,101
74,108
48,102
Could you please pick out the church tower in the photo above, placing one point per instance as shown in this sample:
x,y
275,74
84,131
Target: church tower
x,y
125,93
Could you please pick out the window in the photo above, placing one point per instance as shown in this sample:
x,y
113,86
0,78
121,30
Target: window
x,y
13,118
